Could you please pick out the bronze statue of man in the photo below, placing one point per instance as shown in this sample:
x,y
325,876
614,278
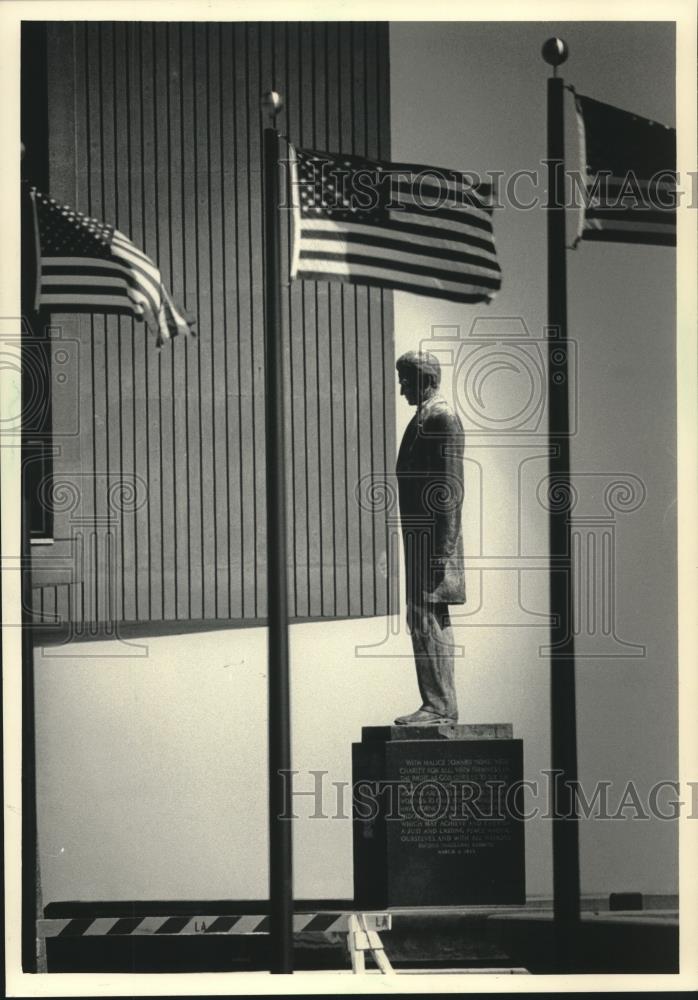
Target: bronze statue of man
x,y
430,486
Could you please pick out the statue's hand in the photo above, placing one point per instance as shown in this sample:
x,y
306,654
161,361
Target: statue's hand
x,y
417,619
410,617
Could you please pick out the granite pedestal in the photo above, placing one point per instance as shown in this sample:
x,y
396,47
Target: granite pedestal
x,y
437,816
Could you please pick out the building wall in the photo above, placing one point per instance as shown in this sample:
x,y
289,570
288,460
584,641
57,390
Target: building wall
x,y
152,758
158,490
152,763
623,327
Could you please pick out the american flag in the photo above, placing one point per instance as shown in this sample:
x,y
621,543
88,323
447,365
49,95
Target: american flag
x,y
88,266
630,177
414,228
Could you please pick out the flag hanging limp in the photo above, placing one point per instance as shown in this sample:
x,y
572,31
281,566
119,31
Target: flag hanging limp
x,y
85,265
410,227
630,176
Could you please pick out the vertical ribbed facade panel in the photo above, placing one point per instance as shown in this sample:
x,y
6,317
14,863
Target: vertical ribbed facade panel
x,y
158,486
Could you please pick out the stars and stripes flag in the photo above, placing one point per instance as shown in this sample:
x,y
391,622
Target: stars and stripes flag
x,y
85,265
409,227
630,176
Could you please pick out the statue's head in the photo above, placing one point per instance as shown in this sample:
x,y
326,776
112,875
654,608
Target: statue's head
x,y
419,374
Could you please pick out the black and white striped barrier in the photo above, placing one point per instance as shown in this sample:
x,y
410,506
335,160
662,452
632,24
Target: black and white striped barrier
x,y
320,923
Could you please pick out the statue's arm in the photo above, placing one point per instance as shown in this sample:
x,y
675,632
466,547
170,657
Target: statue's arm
x,y
446,483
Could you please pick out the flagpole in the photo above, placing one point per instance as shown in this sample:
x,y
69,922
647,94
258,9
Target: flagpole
x,y
566,890
280,830
30,856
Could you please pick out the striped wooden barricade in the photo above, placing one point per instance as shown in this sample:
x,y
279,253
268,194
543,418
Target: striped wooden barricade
x,y
321,923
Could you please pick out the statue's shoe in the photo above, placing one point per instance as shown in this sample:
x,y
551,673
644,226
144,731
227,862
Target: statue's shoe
x,y
422,717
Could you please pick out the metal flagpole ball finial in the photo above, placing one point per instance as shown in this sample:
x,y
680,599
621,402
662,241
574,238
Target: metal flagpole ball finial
x,y
555,51
272,103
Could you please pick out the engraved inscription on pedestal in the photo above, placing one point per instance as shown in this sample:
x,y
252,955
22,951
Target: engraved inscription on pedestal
x,y
448,829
